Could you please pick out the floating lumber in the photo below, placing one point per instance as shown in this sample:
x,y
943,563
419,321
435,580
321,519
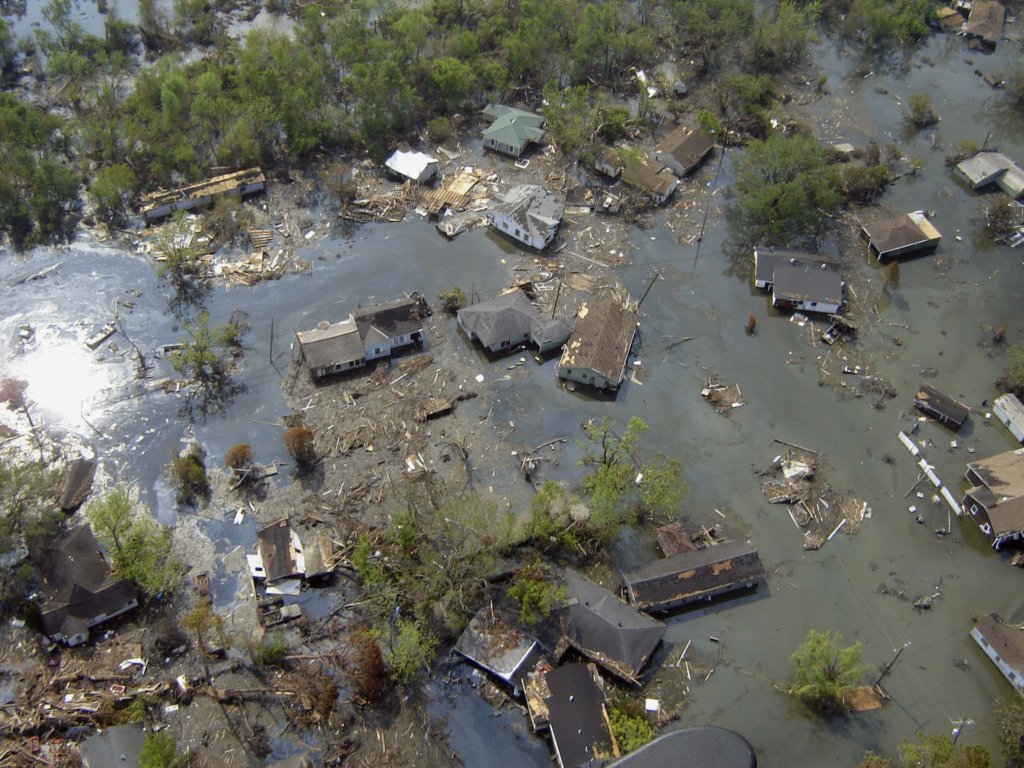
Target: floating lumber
x,y
441,406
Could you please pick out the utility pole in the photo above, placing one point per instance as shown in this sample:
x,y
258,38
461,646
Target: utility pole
x,y
889,665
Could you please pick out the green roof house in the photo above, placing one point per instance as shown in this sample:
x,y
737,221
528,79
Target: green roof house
x,y
511,129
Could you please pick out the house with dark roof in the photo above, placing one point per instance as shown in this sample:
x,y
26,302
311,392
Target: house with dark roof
x,y
700,574
511,130
496,646
684,149
529,214
367,334
1004,644
996,496
597,352
78,589
1010,413
115,747
901,235
985,22
577,721
704,746
280,554
598,625
608,162
798,280
509,320
941,407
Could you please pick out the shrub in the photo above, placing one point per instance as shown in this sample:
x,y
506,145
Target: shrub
x,y
239,457
440,129
1011,380
188,472
452,299
300,444
824,672
536,592
921,114
159,751
630,726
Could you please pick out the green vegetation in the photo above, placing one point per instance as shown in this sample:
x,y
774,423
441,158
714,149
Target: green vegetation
x,y
188,473
1012,378
410,647
206,358
1010,721
920,112
202,621
536,592
824,672
784,189
272,651
159,751
630,725
138,546
862,184
932,750
29,518
452,299
882,23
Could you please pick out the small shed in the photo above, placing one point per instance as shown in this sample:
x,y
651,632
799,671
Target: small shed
x,y
417,166
901,235
941,407
1008,409
986,22
689,576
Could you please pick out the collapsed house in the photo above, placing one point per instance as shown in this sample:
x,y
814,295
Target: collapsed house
x,y
606,630
78,590
509,320
700,574
1004,644
529,214
415,166
77,484
684,149
499,648
158,205
511,130
996,496
985,23
798,280
597,352
901,235
367,334
283,562
941,407
1008,409
576,716
608,162
987,168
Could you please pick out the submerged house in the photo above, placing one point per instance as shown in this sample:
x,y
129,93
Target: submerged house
x,y
986,168
415,166
510,320
798,280
78,590
996,496
529,214
985,23
1004,644
700,574
941,407
282,559
512,130
499,648
158,205
654,180
902,235
369,333
577,720
598,349
684,149
1008,409
606,630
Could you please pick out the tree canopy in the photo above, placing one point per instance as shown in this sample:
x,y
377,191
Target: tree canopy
x,y
824,671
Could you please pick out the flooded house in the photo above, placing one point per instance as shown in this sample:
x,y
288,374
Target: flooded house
x,y
367,334
606,630
798,280
279,553
948,19
497,647
985,23
1004,644
1010,413
683,150
597,352
577,720
987,168
901,235
78,591
158,205
414,166
702,746
608,162
118,745
653,179
996,496
528,213
941,407
511,130
700,574
509,320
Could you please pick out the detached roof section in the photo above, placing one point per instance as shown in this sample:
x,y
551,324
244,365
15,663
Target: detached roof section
x,y
576,717
986,21
164,203
281,551
901,235
705,746
941,406
412,165
498,647
391,319
605,629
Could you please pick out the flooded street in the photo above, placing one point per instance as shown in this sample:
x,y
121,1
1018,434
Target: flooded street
x,y
937,318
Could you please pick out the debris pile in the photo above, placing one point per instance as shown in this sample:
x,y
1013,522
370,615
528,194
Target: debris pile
x,y
723,397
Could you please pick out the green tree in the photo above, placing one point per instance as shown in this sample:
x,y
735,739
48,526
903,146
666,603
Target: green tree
x,y
714,28
159,751
409,647
937,750
139,547
1010,721
188,473
206,358
824,671
453,80
8,49
571,120
784,189
111,191
921,113
781,36
630,725
536,592
1012,378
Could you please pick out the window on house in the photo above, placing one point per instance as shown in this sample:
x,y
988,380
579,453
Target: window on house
x,y
974,509
986,529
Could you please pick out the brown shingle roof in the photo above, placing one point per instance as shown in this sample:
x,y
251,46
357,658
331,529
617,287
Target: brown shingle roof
x,y
602,338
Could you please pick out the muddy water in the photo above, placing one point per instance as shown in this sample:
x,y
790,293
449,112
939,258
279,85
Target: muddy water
x,y
943,299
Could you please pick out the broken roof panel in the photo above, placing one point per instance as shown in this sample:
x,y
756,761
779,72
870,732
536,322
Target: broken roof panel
x,y
602,627
601,339
576,717
280,551
497,646
390,320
